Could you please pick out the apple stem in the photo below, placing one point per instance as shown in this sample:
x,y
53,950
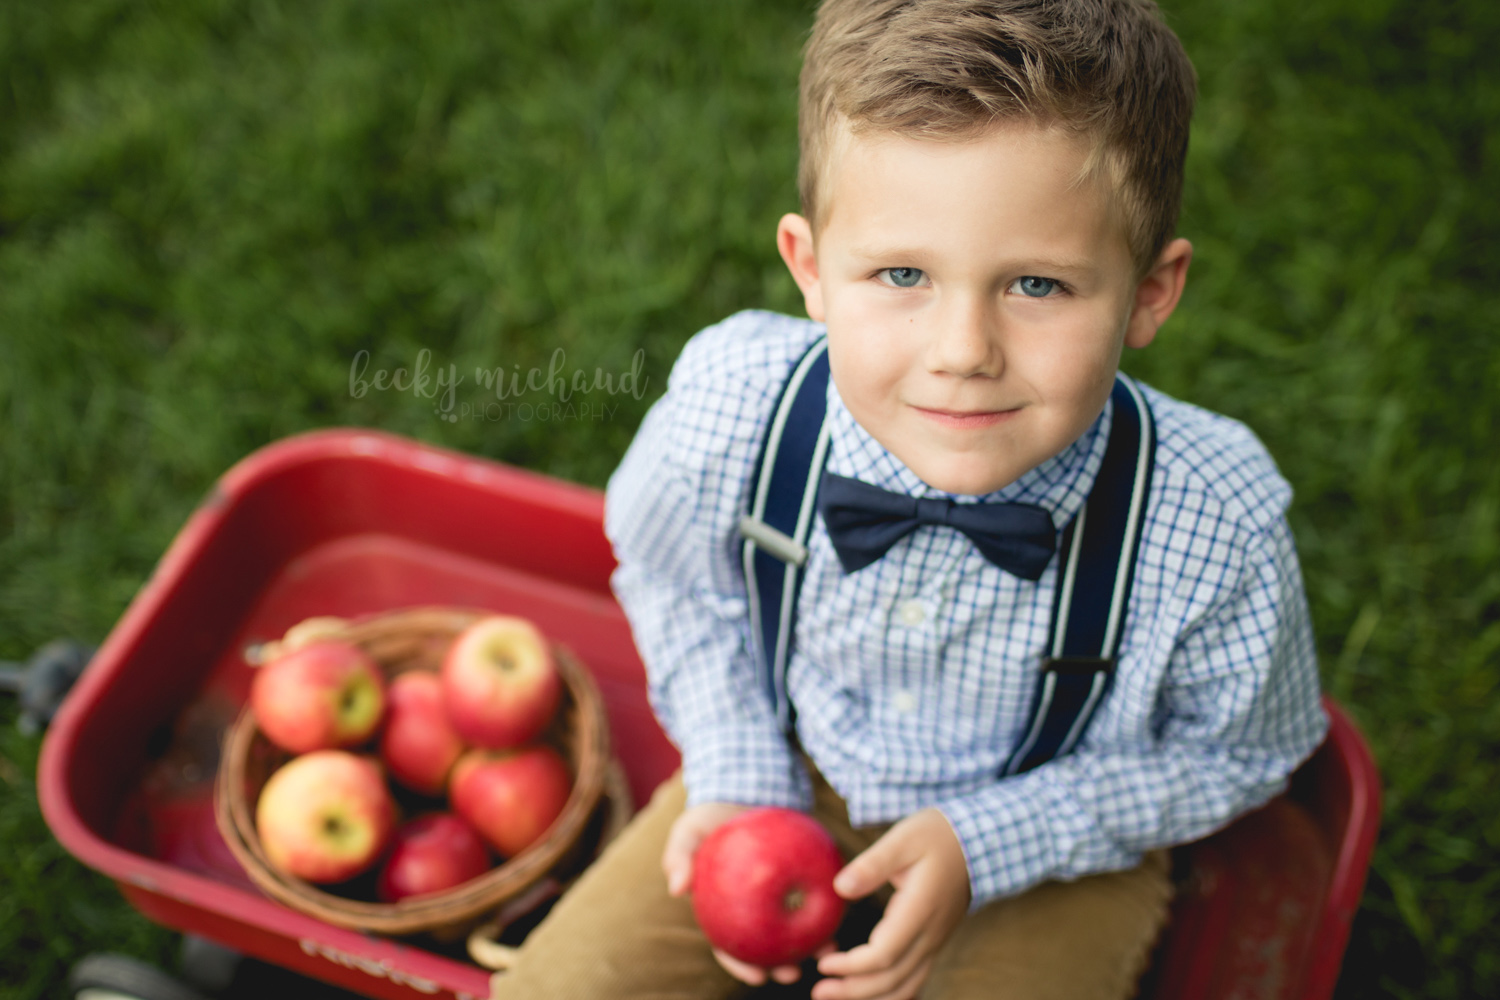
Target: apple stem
x,y
793,900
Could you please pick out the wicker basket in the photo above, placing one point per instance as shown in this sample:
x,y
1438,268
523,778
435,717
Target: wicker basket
x,y
416,639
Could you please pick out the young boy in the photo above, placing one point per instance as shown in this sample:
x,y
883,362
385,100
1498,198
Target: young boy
x,y
989,193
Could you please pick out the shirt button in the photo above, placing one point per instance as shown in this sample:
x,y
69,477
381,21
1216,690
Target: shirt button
x,y
911,613
904,701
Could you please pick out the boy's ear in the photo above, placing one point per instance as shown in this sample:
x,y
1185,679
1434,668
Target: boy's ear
x,y
1157,294
794,239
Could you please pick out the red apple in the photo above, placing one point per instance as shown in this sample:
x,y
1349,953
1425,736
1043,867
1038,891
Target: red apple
x,y
325,816
500,683
419,745
763,886
325,694
430,854
510,796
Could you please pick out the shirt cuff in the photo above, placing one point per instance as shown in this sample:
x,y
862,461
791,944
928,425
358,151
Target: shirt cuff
x,y
744,765
1020,832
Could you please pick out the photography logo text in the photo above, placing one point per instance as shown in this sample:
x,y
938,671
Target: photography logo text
x,y
555,394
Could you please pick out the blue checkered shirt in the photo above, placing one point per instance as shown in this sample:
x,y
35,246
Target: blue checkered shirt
x,y
913,677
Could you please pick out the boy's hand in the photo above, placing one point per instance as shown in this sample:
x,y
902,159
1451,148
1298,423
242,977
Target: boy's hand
x,y
922,858
686,834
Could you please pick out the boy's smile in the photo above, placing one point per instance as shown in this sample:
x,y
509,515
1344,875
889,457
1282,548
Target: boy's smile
x,y
976,297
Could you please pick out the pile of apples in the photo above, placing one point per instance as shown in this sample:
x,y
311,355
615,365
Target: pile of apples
x,y
467,734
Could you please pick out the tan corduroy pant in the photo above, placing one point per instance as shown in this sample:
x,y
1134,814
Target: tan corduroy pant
x,y
617,934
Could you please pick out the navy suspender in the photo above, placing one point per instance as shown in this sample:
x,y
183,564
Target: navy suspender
x,y
1097,552
781,516
1088,610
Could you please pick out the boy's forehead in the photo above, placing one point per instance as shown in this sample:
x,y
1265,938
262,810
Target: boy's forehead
x,y
998,158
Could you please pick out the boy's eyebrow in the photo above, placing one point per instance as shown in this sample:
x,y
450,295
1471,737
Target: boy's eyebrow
x,y
875,253
1041,265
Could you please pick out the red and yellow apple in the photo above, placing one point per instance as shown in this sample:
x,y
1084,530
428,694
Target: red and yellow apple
x,y
510,796
431,853
325,694
418,744
325,816
500,683
763,886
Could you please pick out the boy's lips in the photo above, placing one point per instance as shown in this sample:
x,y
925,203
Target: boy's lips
x,y
967,419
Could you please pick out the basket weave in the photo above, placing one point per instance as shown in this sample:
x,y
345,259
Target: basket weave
x,y
416,639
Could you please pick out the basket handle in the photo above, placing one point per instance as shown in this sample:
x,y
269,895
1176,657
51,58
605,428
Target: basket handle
x,y
484,941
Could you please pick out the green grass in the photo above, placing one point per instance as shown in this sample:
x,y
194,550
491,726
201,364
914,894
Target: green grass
x,y
207,209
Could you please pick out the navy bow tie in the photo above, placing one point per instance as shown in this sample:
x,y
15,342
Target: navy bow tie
x,y
864,521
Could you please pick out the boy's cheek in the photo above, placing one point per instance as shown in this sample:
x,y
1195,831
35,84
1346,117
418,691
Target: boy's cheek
x,y
863,330
865,376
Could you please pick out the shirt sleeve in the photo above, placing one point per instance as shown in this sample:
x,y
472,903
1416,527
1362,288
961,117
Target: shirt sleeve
x,y
1238,710
670,511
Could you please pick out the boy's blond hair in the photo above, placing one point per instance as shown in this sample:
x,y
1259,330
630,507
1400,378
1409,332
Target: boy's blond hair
x,y
1109,70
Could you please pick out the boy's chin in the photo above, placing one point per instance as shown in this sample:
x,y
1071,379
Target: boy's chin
x,y
966,476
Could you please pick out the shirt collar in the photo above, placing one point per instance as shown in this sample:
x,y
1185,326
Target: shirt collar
x,y
1061,484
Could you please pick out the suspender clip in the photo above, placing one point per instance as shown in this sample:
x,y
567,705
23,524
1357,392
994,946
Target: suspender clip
x,y
1079,664
776,543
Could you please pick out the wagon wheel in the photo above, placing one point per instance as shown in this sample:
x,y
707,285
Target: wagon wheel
x,y
105,976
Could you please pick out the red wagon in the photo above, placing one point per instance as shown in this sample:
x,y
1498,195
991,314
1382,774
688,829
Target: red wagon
x,y
353,522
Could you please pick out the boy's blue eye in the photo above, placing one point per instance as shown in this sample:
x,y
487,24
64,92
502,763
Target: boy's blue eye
x,y
904,277
1036,288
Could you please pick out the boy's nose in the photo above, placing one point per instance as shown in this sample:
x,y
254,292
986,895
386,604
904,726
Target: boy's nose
x,y
966,340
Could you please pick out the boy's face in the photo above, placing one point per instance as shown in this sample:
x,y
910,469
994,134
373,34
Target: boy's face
x,y
976,298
